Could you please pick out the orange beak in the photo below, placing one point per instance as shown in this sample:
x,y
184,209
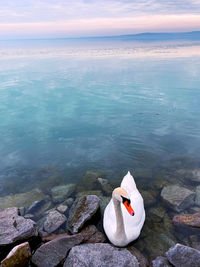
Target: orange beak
x,y
129,208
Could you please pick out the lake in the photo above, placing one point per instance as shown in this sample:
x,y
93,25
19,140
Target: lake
x,y
71,106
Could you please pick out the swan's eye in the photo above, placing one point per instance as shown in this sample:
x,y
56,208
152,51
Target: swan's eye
x,y
124,199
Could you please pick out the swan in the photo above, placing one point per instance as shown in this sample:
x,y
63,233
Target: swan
x,y
124,215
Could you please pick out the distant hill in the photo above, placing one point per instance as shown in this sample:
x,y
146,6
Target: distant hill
x,y
175,36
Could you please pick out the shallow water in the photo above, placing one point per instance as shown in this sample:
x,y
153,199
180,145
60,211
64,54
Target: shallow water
x,y
71,107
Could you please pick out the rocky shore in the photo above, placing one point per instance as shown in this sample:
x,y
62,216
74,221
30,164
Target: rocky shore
x,y
62,225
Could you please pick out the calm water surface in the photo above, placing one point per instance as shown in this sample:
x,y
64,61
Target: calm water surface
x,y
67,107
81,107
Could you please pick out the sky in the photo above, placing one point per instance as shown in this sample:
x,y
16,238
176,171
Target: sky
x,y
78,18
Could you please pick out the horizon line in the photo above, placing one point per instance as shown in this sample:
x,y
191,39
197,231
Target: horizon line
x,y
100,36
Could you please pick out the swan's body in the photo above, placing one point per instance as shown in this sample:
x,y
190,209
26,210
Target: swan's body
x,y
120,227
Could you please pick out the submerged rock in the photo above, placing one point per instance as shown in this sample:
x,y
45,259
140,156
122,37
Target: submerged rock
x,y
53,221
81,211
54,252
100,255
21,200
191,175
192,220
197,198
149,200
105,186
62,192
18,257
160,262
177,197
89,181
15,228
157,244
38,208
181,255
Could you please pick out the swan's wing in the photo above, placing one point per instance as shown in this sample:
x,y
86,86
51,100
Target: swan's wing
x,y
128,183
109,219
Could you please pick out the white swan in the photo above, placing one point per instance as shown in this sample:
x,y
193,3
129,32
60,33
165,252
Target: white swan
x,y
124,215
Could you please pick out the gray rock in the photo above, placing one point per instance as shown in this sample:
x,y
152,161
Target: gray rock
x,y
15,228
139,256
21,200
197,198
82,210
38,208
53,221
62,208
160,262
181,255
54,252
105,186
177,197
62,192
29,216
96,255
18,256
92,235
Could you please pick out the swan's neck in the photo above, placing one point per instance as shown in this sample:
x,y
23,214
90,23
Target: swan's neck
x,y
120,231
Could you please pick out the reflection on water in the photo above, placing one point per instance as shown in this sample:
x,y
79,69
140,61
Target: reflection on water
x,y
66,111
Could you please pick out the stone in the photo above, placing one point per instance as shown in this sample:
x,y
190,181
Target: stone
x,y
177,197
105,186
197,198
160,262
62,192
21,200
53,221
181,255
191,175
89,181
92,235
22,211
139,256
90,192
149,200
54,252
81,211
157,244
68,202
38,208
14,228
192,220
62,208
157,213
18,257
100,254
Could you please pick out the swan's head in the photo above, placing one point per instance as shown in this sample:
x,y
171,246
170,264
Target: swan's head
x,y
121,195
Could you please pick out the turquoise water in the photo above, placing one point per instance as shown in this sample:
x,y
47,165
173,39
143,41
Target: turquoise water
x,y
95,106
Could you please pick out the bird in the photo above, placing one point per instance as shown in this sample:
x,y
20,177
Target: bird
x,y
124,215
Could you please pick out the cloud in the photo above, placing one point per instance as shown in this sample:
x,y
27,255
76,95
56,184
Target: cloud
x,y
102,26
74,17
